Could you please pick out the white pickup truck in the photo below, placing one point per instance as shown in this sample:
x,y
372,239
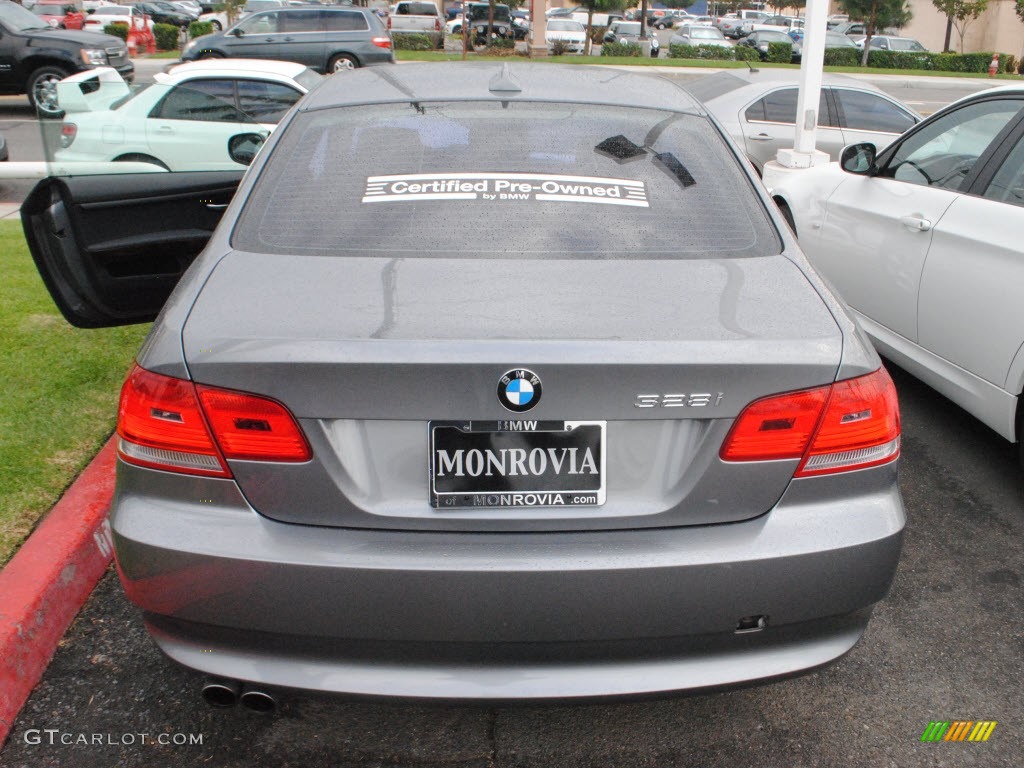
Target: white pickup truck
x,y
779,23
416,17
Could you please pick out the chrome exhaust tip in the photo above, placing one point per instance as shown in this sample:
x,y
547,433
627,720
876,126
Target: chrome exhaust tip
x,y
221,693
257,700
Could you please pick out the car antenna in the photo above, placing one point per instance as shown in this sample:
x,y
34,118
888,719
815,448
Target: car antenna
x,y
751,66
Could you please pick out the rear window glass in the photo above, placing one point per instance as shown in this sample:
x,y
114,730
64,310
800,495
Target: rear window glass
x,y
519,179
416,9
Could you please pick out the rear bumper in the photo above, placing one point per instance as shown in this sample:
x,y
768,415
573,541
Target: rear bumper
x,y
504,616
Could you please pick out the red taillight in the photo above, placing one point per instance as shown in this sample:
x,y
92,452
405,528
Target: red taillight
x,y
68,131
253,428
381,42
851,424
164,423
860,427
389,23
437,25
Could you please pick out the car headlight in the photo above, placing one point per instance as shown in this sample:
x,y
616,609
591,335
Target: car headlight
x,y
94,56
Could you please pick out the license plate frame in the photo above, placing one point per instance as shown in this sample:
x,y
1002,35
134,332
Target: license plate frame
x,y
493,463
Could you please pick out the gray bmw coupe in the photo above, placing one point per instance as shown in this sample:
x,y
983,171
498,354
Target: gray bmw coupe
x,y
436,411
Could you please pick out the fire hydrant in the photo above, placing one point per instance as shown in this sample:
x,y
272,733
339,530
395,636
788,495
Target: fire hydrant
x,y
993,66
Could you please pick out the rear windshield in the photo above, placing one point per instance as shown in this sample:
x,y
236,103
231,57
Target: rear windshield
x,y
416,9
519,179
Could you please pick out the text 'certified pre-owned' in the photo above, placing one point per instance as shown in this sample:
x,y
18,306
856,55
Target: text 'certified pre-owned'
x,y
506,187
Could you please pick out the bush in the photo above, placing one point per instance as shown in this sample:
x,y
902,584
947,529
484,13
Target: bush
x,y
117,30
412,41
906,60
199,28
842,57
500,46
708,52
621,49
559,48
166,36
780,53
597,34
746,53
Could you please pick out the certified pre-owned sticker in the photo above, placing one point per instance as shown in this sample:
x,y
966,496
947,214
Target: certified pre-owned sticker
x,y
505,187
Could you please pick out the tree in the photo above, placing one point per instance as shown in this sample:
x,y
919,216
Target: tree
x,y
781,5
876,14
598,6
1020,9
960,14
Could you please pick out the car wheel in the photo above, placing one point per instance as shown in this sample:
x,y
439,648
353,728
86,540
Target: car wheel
x,y
136,157
41,88
342,63
216,25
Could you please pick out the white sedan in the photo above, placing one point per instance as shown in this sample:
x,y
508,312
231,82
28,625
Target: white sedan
x,y
96,19
924,242
572,34
181,122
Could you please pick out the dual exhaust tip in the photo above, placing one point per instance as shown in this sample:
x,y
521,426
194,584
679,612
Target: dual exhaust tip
x,y
223,694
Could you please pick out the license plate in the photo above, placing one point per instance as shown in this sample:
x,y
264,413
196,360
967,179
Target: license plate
x,y
517,463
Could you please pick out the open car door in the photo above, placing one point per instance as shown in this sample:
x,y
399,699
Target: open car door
x,y
111,248
139,177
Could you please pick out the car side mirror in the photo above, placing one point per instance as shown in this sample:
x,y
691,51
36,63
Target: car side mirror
x,y
236,32
242,147
859,159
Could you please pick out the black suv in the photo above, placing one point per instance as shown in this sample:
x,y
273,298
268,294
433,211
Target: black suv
x,y
34,56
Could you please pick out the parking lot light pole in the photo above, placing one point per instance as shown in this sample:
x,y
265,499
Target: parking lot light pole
x,y
803,154
538,45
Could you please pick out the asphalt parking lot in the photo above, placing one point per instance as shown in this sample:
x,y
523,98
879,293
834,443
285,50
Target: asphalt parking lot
x,y
946,645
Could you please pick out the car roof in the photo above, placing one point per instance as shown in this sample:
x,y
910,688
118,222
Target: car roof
x,y
235,67
771,78
733,88
461,81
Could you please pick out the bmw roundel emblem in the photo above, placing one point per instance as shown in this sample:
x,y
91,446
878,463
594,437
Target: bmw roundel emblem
x,y
519,390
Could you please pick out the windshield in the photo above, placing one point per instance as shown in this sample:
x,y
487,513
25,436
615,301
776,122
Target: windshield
x,y
705,33
766,36
564,26
625,28
481,12
571,181
18,19
833,40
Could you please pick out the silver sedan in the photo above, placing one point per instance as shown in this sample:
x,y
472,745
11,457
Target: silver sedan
x,y
758,109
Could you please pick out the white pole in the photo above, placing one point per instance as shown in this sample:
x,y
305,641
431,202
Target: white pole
x,y
803,154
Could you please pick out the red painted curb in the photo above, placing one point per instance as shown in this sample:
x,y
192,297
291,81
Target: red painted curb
x,y
49,579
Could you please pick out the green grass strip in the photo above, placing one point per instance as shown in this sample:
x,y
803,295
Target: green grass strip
x,y
58,399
